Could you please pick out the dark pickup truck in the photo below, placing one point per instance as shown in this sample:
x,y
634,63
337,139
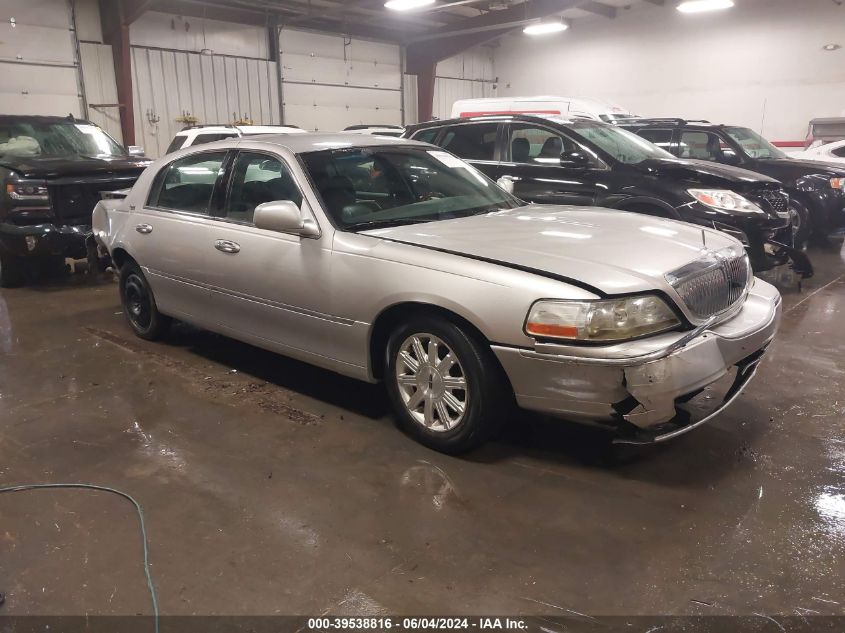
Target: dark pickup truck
x,y
53,171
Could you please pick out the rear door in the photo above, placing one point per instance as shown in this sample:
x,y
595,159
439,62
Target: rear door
x,y
172,233
535,161
664,138
475,142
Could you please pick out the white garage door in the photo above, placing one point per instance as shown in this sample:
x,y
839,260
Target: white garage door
x,y
176,88
330,82
38,78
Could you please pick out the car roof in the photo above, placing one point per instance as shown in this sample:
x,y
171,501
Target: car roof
x,y
546,118
33,118
316,141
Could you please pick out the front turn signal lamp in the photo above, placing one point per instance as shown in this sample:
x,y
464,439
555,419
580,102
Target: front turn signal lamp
x,y
606,320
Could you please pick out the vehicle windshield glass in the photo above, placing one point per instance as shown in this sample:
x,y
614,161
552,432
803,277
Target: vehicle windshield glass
x,y
624,146
754,145
614,118
371,187
29,138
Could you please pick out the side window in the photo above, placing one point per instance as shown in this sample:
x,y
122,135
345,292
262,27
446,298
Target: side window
x,y
660,137
839,151
702,146
427,136
256,179
536,145
175,144
199,139
187,184
471,141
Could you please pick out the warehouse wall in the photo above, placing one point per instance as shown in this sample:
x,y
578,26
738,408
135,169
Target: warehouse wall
x,y
759,64
471,74
38,79
331,82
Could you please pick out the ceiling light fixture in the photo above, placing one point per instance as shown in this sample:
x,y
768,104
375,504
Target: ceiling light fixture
x,y
831,47
407,5
545,28
700,6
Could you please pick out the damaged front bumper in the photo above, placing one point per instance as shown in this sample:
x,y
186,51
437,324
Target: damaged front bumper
x,y
637,386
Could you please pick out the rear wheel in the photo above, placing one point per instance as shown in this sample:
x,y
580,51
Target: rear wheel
x,y
139,304
447,388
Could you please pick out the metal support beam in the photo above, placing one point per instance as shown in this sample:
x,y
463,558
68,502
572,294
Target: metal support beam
x,y
116,34
599,9
425,92
514,17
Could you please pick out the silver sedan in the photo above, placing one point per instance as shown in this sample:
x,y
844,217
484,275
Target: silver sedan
x,y
386,259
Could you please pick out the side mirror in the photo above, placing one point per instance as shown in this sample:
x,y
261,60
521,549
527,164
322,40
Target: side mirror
x,y
730,158
135,150
574,159
507,183
283,216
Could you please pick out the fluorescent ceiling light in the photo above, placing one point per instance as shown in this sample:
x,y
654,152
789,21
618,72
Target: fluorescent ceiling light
x,y
544,28
407,5
700,6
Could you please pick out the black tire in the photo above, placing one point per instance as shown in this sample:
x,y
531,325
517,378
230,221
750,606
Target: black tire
x,y
801,224
139,304
487,396
12,270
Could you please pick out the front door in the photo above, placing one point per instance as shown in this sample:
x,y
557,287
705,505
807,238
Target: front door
x,y
268,287
548,167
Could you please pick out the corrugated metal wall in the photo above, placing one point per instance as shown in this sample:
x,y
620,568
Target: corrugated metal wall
x,y
100,87
331,82
38,78
171,85
469,75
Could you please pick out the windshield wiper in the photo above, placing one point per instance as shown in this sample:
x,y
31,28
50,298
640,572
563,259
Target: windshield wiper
x,y
382,224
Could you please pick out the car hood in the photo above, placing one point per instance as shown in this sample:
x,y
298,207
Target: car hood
x,y
803,166
74,166
709,173
612,251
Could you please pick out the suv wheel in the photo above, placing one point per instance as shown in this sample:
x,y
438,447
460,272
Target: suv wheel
x,y
139,304
447,388
800,215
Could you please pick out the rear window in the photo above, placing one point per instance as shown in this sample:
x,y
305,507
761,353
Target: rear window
x,y
175,144
187,183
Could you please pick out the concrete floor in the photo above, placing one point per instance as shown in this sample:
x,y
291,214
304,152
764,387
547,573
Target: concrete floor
x,y
273,487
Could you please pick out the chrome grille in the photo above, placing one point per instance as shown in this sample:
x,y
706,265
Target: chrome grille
x,y
777,200
714,283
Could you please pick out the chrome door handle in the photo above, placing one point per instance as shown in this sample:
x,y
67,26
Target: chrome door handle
x,y
514,178
145,229
227,246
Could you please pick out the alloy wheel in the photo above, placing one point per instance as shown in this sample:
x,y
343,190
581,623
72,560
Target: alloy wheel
x,y
431,382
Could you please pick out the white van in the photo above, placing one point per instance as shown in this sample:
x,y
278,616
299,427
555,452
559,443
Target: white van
x,y
560,106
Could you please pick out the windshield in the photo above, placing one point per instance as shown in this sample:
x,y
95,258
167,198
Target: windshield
x,y
614,118
624,146
754,145
28,138
370,187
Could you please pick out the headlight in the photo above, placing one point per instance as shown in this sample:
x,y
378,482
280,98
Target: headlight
x,y
724,200
605,320
837,183
27,190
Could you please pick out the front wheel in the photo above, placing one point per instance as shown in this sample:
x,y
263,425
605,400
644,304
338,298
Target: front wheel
x,y
800,217
139,305
447,388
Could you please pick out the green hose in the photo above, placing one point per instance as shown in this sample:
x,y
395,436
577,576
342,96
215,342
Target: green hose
x,y
129,498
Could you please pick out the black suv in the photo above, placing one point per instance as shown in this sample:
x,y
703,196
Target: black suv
x,y
816,189
53,170
551,160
